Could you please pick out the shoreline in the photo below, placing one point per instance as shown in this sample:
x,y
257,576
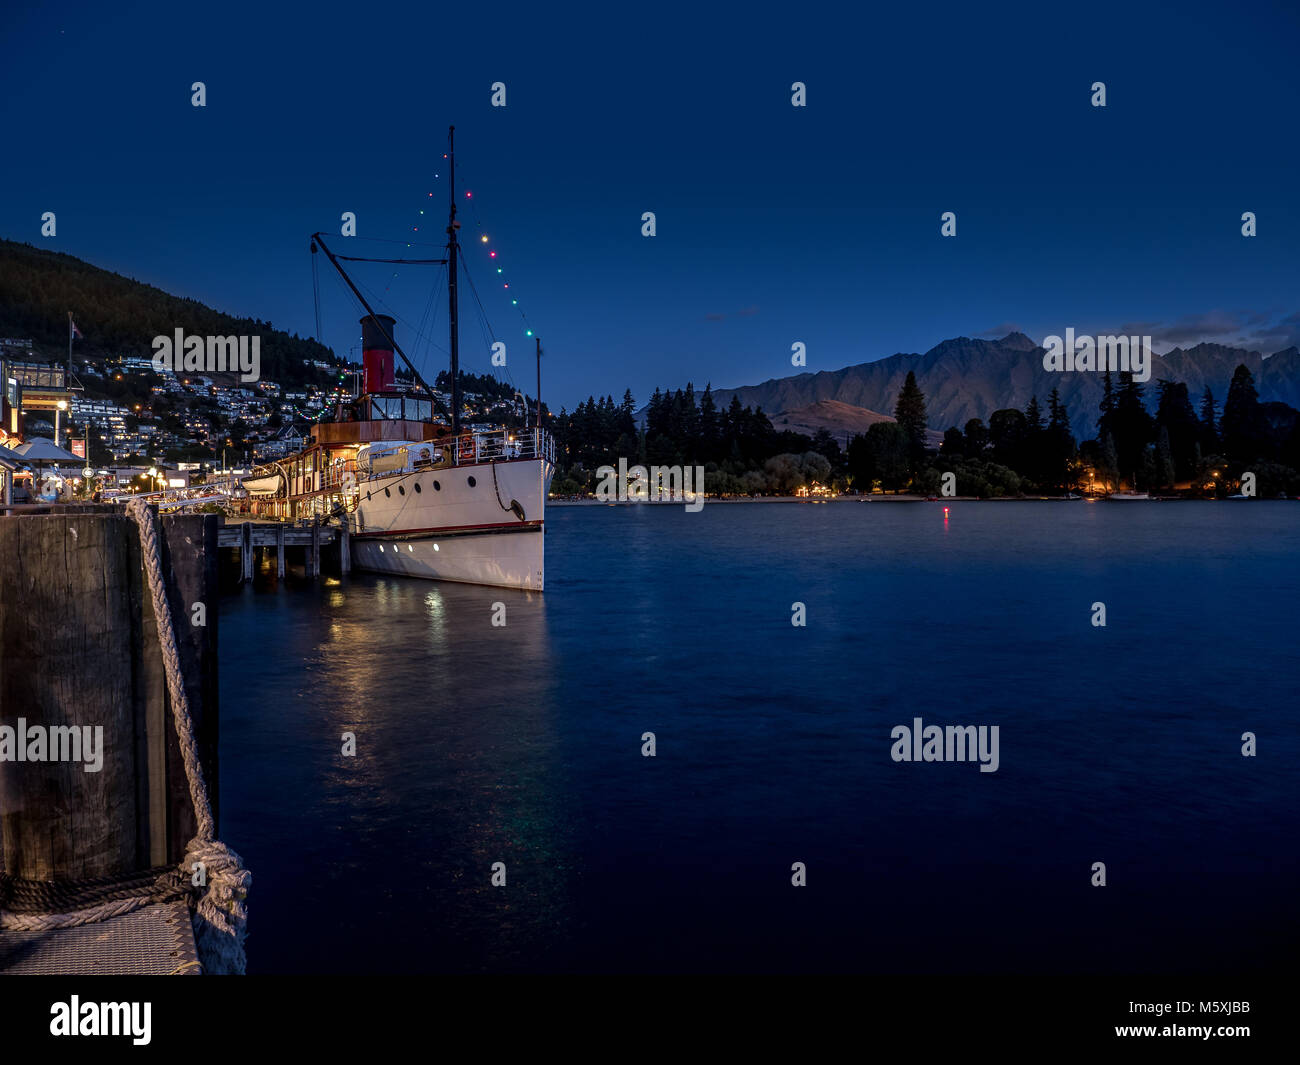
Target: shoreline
x,y
901,498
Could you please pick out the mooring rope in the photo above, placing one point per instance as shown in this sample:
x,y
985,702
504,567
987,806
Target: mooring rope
x,y
514,508
220,918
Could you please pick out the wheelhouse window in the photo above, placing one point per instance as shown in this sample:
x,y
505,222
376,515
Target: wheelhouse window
x,y
395,407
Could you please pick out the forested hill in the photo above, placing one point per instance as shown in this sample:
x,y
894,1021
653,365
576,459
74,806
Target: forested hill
x,y
119,316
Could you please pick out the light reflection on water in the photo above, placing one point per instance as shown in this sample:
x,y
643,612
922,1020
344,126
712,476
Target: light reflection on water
x,y
455,768
522,744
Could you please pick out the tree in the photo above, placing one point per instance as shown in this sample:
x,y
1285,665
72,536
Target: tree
x,y
816,468
1033,418
1007,437
890,459
1061,449
1242,425
909,413
1034,457
1164,460
861,463
1108,463
710,426
1105,422
1209,435
784,473
1177,425
1131,428
827,446
977,438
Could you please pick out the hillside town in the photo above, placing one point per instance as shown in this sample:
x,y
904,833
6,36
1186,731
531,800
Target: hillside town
x,y
117,424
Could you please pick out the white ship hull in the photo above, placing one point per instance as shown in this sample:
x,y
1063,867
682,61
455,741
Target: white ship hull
x,y
480,523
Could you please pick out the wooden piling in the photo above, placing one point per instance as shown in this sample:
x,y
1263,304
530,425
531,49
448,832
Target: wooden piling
x,y
246,552
79,648
69,620
190,566
279,551
345,551
313,553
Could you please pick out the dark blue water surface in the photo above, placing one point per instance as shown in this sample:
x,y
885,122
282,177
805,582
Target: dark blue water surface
x,y
522,744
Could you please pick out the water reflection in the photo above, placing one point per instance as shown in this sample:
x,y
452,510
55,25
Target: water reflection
x,y
455,768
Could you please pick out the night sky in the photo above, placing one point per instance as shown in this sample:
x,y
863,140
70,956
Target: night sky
x,y
775,224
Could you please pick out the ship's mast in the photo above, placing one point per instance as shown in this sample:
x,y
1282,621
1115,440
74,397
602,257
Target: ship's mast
x,y
452,247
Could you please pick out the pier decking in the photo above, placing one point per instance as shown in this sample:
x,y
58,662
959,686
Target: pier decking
x,y
153,941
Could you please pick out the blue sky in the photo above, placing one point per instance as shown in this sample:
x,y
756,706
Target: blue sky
x,y
775,224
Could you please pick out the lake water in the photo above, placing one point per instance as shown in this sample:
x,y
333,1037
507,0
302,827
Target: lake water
x,y
479,744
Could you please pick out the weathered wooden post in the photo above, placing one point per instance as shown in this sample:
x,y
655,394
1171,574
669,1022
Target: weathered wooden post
x,y
313,554
246,552
345,551
69,629
279,550
79,650
190,552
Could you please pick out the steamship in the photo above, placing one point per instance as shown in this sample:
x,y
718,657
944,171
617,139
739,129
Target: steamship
x,y
419,495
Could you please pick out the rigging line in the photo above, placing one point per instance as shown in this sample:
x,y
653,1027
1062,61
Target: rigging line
x,y
488,326
407,243
380,302
429,318
478,222
408,262
483,316
315,285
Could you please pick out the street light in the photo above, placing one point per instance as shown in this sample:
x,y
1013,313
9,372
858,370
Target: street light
x,y
59,408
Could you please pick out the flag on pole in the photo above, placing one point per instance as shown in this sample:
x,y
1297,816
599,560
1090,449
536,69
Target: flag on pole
x,y
73,326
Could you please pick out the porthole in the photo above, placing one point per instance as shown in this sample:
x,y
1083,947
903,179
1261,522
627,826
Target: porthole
x,y
388,492
472,482
437,487
401,490
417,487
367,496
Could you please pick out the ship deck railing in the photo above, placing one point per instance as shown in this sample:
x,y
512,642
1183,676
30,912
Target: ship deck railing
x,y
494,445
505,444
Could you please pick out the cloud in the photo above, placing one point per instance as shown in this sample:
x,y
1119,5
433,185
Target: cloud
x,y
999,331
1255,330
718,316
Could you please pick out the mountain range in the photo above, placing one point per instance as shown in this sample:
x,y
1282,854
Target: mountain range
x,y
964,378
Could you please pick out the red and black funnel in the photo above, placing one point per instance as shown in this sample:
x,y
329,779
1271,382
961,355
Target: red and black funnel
x,y
377,353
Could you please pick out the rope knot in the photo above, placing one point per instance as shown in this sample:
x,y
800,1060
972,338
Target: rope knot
x,y
221,915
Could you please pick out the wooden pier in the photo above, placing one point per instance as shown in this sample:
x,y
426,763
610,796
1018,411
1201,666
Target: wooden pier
x,y
249,537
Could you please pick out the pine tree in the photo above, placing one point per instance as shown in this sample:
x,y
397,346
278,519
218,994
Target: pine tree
x,y
1108,466
1242,424
627,414
1033,417
1106,407
710,426
1209,423
909,413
